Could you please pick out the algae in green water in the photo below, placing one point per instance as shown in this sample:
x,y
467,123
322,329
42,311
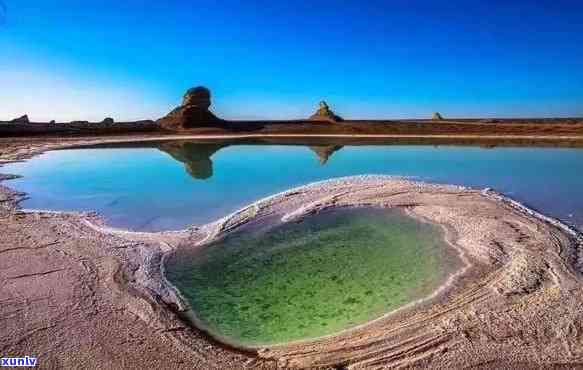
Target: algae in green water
x,y
287,282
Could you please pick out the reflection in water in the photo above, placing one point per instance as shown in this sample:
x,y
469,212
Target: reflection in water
x,y
110,178
324,152
195,156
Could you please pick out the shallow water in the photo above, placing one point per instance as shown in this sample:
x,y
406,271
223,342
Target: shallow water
x,y
175,184
274,284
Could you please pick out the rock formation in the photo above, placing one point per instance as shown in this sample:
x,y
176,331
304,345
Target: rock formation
x,y
324,152
324,113
197,96
23,119
108,121
194,111
437,116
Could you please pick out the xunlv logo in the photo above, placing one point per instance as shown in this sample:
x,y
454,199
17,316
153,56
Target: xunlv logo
x,y
18,361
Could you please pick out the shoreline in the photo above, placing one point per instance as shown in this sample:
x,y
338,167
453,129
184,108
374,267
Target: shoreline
x,y
344,136
37,145
193,318
142,279
387,136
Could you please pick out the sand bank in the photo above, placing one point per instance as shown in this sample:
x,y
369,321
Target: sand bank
x,y
77,293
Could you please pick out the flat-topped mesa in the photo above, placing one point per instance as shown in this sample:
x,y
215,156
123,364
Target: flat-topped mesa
x,y
194,111
324,113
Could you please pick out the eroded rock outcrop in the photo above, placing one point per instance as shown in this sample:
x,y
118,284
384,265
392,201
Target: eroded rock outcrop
x,y
23,119
324,113
437,117
194,111
197,96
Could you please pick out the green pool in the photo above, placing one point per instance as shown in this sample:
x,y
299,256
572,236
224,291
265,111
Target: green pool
x,y
277,283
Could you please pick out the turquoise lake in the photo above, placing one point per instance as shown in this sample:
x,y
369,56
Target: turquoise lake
x,y
170,185
275,283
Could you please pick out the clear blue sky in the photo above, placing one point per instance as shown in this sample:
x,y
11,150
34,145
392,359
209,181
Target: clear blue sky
x,y
70,59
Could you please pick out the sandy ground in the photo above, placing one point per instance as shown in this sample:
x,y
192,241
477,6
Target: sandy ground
x,y
80,295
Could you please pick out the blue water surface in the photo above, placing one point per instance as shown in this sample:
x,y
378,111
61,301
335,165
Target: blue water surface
x,y
161,188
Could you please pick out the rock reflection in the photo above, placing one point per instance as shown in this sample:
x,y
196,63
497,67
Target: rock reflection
x,y
197,161
195,156
324,152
